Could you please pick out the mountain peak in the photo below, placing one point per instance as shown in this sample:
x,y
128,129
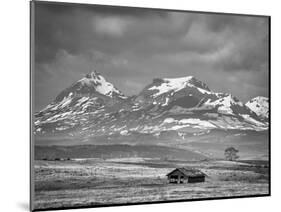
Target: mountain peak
x,y
175,84
93,75
259,98
92,79
97,82
198,83
92,83
260,106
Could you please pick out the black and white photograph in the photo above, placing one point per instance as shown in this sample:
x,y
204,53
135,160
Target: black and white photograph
x,y
137,105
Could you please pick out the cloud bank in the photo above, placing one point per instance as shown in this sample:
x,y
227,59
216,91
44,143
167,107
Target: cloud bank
x,y
131,46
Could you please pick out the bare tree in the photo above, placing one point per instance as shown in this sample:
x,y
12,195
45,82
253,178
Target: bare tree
x,y
230,154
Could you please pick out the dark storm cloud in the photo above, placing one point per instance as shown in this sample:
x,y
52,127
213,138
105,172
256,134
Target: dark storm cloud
x,y
131,46
70,27
249,36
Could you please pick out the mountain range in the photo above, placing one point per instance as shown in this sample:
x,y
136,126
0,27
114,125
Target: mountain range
x,y
94,109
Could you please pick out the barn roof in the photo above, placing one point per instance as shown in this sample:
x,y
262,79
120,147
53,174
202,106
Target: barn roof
x,y
187,171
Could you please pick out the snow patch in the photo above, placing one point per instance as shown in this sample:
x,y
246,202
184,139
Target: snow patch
x,y
124,132
199,122
169,120
259,105
224,104
171,84
187,122
166,102
250,119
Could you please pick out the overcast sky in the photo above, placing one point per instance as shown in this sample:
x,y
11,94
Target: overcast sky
x,y
130,47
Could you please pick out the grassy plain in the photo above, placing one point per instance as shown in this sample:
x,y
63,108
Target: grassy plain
x,y
91,182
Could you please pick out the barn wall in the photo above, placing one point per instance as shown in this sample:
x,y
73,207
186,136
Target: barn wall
x,y
179,176
196,179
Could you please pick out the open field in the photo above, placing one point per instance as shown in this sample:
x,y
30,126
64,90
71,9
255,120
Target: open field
x,y
89,182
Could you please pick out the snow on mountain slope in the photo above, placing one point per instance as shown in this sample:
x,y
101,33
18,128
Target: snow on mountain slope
x,y
228,104
220,122
187,91
93,107
176,84
224,104
260,106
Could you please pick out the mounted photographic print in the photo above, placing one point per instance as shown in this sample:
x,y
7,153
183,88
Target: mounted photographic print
x,y
137,105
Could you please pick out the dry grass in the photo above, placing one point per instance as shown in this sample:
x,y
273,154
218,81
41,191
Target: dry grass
x,y
95,182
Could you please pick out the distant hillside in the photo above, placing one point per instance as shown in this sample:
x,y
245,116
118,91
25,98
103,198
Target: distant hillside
x,y
114,151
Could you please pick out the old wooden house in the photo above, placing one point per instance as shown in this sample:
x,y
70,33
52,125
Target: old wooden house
x,y
186,175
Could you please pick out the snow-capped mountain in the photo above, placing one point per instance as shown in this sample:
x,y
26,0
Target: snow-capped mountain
x,y
260,106
93,107
92,84
89,95
188,92
161,91
90,91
